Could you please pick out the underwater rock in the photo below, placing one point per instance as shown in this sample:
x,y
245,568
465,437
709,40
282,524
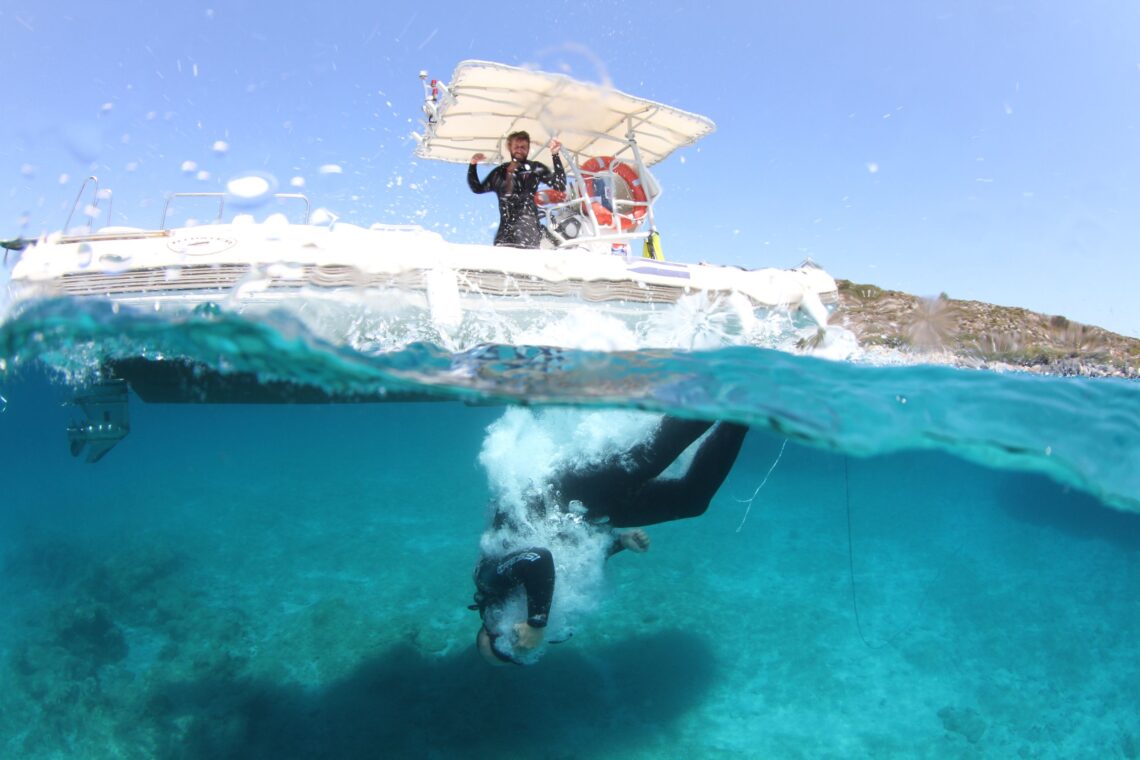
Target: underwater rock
x,y
90,634
46,563
963,720
60,669
131,573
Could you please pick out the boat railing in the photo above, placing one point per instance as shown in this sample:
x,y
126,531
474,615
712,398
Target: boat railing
x,y
93,209
575,220
221,198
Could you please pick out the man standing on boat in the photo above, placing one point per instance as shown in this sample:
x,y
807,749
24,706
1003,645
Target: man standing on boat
x,y
515,183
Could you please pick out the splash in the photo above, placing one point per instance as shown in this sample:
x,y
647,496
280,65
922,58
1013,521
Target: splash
x,y
522,454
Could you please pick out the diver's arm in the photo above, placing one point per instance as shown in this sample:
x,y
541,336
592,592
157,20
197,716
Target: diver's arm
x,y
485,186
537,576
558,181
534,570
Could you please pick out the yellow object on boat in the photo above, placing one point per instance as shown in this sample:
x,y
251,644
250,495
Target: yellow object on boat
x,y
652,248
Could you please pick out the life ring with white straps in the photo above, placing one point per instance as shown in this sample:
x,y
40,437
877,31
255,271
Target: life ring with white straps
x,y
637,194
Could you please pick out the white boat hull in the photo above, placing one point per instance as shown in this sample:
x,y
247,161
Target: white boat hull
x,y
384,287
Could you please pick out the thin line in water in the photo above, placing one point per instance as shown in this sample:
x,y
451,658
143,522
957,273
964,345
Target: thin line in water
x,y
762,482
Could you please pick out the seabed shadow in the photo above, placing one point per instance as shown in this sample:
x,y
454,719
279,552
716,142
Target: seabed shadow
x,y
403,704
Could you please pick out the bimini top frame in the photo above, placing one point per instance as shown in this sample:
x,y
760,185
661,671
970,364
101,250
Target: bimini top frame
x,y
484,102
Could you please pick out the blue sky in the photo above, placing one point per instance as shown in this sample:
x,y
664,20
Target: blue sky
x,y
987,150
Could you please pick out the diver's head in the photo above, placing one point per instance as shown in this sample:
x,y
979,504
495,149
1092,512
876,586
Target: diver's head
x,y
485,643
518,145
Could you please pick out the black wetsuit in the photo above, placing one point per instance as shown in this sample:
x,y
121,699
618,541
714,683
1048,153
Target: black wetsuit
x,y
627,490
624,491
518,214
533,569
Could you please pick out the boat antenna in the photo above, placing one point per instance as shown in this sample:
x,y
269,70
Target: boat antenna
x,y
434,92
431,97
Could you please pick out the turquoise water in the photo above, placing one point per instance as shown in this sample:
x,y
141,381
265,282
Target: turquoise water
x,y
940,562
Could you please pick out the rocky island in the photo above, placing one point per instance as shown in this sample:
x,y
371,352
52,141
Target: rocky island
x,y
981,335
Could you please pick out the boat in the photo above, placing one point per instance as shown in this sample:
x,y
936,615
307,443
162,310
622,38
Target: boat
x,y
383,287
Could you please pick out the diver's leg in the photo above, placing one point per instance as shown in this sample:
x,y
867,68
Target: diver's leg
x,y
650,458
662,500
616,482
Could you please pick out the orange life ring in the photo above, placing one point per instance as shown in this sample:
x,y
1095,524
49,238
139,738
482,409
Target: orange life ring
x,y
549,197
637,194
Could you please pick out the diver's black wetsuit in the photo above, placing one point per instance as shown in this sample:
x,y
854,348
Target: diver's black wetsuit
x,y
627,491
518,215
624,491
533,569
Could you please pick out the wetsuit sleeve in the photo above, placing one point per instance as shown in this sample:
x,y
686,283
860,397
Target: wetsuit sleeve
x,y
476,186
533,569
539,585
558,181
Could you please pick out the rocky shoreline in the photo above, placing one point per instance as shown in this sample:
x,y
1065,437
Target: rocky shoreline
x,y
973,334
